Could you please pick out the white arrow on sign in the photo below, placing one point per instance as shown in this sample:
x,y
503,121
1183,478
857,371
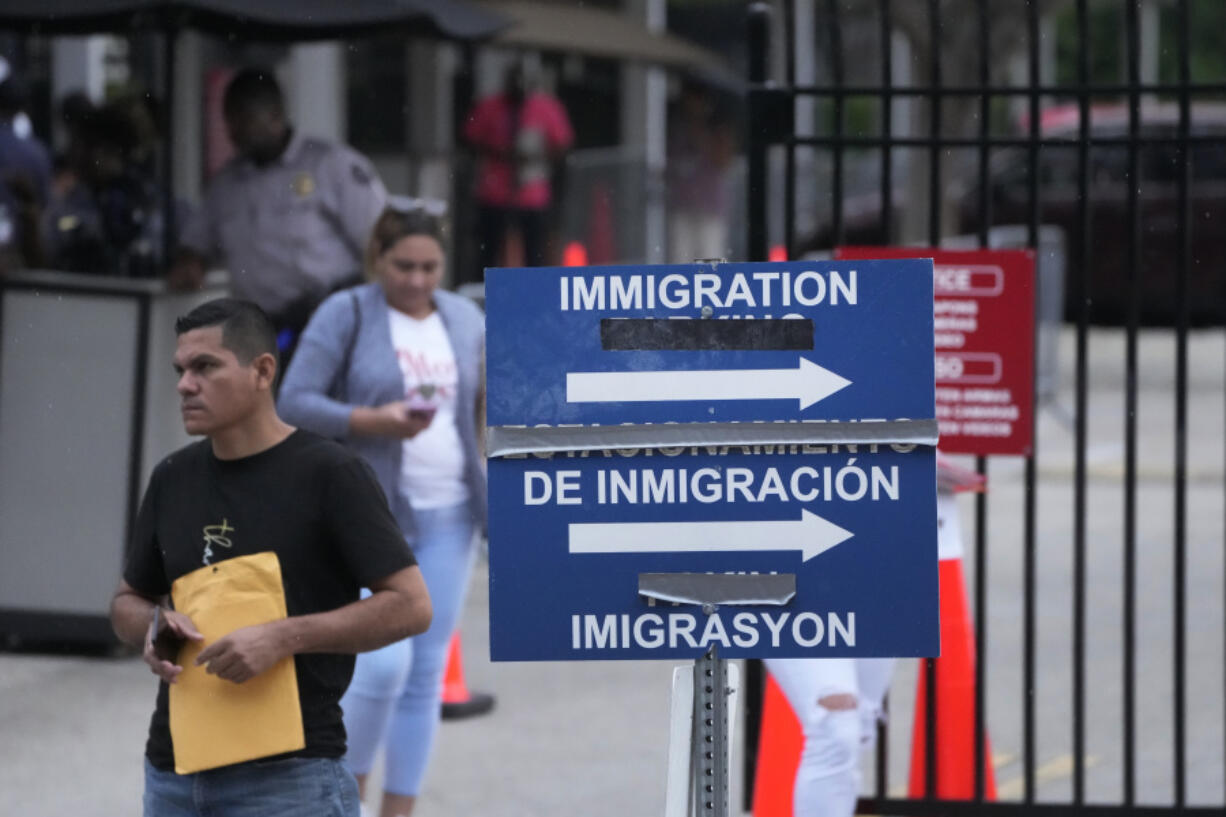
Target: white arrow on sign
x,y
810,535
807,383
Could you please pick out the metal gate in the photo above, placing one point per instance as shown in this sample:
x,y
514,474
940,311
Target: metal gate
x,y
1095,565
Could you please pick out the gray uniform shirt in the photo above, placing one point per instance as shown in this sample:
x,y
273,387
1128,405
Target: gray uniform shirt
x,y
291,230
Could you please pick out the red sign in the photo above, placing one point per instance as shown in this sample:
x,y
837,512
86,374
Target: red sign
x,y
984,318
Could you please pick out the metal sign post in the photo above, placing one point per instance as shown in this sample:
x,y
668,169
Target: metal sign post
x,y
698,785
709,744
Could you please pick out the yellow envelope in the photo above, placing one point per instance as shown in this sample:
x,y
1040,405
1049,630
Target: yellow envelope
x,y
214,722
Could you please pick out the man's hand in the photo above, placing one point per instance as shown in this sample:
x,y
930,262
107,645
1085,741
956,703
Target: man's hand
x,y
245,653
168,630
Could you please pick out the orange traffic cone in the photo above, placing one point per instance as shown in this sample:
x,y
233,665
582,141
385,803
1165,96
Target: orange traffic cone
x,y
574,255
458,702
955,702
780,743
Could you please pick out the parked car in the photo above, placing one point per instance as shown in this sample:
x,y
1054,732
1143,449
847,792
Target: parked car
x,y
1110,231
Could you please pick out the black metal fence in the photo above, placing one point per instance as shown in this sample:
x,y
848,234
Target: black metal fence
x,y
1129,161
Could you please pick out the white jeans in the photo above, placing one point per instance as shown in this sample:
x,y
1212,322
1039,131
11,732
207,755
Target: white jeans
x,y
828,779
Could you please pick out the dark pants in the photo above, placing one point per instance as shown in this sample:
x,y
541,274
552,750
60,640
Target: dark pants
x,y
492,226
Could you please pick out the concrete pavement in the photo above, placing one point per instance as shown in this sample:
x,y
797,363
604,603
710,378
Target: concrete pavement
x,y
563,739
590,738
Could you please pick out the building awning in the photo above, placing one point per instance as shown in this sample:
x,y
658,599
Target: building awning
x,y
597,32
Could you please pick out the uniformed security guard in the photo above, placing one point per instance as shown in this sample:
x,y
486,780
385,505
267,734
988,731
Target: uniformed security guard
x,y
24,160
25,178
288,216
104,218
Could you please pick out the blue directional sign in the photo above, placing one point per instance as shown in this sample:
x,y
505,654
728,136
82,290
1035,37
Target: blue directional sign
x,y
572,531
710,342
570,535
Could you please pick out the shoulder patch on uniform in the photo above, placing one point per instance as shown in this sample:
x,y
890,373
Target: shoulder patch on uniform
x,y
359,174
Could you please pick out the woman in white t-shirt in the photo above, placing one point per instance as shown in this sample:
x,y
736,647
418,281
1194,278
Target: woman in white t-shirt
x,y
393,368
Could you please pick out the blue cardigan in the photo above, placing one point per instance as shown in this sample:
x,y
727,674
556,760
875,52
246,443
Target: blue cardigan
x,y
314,387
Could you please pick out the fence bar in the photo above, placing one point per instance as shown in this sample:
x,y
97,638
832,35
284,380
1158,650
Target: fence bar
x,y
789,152
758,21
836,73
934,238
1098,89
791,45
985,113
887,233
887,124
1132,30
981,633
1181,406
981,463
757,42
934,128
1083,329
1030,760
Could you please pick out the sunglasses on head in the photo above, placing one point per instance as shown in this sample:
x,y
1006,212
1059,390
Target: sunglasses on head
x,y
413,204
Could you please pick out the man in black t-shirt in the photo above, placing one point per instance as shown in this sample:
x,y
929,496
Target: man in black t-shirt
x,y
256,485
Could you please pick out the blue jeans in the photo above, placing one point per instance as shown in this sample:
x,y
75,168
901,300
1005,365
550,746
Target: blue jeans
x,y
297,787
395,695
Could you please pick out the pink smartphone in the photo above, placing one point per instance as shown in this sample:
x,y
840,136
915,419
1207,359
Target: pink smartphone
x,y
420,405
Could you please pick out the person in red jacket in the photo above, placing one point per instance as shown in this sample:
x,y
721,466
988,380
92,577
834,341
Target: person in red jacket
x,y
518,134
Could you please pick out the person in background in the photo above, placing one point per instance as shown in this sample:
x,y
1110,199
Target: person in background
x,y
288,216
25,178
21,245
518,135
393,368
838,702
105,214
22,154
255,488
701,151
